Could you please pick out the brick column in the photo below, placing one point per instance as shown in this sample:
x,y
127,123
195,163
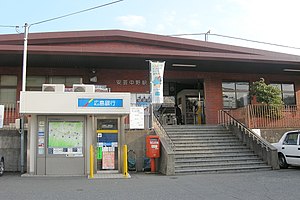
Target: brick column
x,y
213,99
297,92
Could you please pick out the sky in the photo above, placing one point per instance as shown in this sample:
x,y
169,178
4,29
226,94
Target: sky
x,y
269,21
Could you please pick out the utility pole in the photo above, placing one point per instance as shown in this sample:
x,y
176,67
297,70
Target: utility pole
x,y
26,27
206,35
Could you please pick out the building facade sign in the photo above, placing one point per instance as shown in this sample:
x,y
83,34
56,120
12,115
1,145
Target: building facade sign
x,y
97,103
132,82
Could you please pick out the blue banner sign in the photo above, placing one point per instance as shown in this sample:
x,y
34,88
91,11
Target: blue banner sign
x,y
99,103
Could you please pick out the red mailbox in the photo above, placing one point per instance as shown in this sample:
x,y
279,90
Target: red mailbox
x,y
152,146
152,149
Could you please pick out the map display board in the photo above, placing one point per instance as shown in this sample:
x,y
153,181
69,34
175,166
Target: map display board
x,y
65,137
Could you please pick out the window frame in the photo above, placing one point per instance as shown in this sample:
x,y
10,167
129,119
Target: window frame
x,y
283,92
236,91
286,139
10,87
49,80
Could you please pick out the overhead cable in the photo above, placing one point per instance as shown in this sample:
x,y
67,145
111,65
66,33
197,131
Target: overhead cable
x,y
74,13
237,38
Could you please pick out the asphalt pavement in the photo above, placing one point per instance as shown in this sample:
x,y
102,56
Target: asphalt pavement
x,y
269,185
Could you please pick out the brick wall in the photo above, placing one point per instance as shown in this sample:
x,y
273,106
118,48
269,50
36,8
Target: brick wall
x,y
137,81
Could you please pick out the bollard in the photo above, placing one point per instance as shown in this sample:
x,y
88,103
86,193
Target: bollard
x,y
125,163
91,161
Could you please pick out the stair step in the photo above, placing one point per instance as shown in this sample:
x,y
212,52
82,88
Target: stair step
x,y
216,141
176,130
223,164
213,155
208,144
187,132
204,138
211,148
216,159
216,153
201,135
223,169
207,151
199,127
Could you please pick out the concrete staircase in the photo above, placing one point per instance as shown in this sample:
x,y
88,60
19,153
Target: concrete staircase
x,y
211,149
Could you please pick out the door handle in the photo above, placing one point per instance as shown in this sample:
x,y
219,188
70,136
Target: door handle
x,y
282,147
298,148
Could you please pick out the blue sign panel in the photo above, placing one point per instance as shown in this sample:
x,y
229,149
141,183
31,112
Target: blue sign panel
x,y
99,103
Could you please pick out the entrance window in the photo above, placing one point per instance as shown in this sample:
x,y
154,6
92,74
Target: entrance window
x,y
107,144
8,89
287,92
235,94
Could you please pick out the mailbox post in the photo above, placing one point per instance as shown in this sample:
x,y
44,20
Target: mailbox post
x,y
152,150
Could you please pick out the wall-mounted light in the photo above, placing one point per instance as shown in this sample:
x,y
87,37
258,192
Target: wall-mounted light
x,y
291,70
183,65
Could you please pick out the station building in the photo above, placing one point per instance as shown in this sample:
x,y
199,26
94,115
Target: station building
x,y
112,66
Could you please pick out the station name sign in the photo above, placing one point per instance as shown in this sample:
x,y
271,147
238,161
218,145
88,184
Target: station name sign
x,y
99,103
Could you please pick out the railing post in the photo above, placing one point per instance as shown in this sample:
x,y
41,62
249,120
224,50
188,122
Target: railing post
x,y
91,161
125,162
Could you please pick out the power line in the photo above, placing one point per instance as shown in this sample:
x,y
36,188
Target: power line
x,y
187,34
237,38
74,13
8,26
255,41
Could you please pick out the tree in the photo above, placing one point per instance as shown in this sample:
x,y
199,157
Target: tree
x,y
266,94
269,95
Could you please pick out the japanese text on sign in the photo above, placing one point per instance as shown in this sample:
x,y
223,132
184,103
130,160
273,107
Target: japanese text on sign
x,y
87,102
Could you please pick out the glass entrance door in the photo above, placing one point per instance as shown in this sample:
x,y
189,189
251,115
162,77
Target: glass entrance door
x,y
107,144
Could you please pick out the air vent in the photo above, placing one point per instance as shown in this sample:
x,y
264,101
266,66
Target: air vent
x,y
53,88
83,88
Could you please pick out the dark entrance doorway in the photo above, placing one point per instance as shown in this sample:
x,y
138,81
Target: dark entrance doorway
x,y
189,96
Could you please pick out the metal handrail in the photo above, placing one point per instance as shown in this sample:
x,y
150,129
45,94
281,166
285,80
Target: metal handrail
x,y
159,129
226,119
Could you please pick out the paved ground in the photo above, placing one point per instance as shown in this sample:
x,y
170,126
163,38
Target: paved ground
x,y
269,185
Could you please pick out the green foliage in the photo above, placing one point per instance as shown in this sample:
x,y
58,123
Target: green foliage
x,y
266,94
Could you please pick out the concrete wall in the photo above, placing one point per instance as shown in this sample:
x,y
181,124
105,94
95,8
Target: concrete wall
x,y
136,140
269,156
167,159
10,149
274,135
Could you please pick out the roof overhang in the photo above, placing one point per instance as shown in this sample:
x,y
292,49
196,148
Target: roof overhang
x,y
131,49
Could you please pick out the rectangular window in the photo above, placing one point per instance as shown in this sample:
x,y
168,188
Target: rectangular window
x,y
8,89
235,94
291,139
67,80
287,92
34,83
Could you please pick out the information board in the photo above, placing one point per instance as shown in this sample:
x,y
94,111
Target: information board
x,y
136,118
65,137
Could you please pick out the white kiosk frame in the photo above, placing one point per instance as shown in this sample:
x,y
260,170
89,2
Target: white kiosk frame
x,y
80,109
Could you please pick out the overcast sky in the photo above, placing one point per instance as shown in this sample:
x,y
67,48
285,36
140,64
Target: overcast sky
x,y
271,21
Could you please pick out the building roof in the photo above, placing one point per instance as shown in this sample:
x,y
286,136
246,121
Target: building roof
x,y
117,47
